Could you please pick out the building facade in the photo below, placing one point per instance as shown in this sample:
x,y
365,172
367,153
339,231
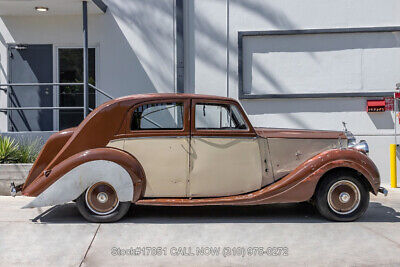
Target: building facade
x,y
309,64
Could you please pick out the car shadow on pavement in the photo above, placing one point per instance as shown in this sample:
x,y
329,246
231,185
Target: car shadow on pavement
x,y
272,213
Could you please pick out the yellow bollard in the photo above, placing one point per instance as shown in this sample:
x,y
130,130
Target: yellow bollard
x,y
393,166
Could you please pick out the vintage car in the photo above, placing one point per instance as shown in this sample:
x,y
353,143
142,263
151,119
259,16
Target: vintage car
x,y
190,150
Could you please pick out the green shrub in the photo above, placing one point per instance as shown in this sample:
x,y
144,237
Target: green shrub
x,y
8,149
13,152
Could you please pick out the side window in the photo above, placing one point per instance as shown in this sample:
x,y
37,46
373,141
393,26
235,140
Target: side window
x,y
218,117
158,116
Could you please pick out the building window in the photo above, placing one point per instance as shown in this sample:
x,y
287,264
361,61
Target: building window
x,y
70,64
158,116
218,117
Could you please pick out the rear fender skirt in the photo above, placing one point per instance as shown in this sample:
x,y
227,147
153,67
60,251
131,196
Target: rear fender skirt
x,y
99,164
71,185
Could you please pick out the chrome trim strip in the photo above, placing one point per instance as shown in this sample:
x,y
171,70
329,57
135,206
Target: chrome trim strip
x,y
147,137
225,137
184,136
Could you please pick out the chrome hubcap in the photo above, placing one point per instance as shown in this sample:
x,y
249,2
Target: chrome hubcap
x,y
102,197
343,197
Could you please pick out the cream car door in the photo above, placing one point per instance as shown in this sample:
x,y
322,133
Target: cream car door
x,y
164,151
225,157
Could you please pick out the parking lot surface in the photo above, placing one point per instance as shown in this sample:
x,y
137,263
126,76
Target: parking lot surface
x,y
281,234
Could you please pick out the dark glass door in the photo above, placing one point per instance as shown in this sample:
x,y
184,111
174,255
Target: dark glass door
x,y
70,63
30,64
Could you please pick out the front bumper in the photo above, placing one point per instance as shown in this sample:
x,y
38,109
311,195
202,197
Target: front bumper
x,y
383,191
14,189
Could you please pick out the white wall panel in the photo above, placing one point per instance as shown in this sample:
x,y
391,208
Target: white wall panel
x,y
210,46
265,15
321,63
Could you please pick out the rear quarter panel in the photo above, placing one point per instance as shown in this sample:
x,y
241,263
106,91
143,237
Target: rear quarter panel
x,y
53,145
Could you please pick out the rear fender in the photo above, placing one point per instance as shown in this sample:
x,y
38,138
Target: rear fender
x,y
71,185
48,152
69,179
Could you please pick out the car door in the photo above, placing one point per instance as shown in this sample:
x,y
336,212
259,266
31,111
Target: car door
x,y
225,156
158,136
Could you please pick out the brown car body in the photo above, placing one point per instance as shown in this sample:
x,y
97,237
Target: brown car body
x,y
296,181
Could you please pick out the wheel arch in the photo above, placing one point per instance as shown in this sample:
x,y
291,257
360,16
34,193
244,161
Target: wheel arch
x,y
349,161
124,172
344,171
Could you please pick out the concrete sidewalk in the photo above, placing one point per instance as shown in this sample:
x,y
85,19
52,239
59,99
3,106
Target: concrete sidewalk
x,y
191,236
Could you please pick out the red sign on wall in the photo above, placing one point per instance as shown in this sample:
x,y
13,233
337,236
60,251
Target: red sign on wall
x,y
376,105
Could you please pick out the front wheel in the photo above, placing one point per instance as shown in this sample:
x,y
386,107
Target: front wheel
x,y
100,204
342,197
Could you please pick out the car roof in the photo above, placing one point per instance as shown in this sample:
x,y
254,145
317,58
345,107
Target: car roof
x,y
171,96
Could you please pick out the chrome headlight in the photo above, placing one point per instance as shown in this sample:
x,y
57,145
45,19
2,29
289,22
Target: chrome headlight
x,y
361,146
351,140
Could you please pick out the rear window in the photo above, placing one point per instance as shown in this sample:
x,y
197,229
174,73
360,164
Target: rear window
x,y
158,116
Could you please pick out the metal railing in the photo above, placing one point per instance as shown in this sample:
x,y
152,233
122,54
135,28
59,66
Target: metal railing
x,y
6,88
8,85
100,91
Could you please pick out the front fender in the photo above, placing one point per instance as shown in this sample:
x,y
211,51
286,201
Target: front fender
x,y
300,184
349,158
67,180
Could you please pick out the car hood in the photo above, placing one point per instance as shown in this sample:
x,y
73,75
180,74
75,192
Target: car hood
x,y
298,134
288,148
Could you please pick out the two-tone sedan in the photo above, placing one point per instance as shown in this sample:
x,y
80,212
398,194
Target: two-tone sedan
x,y
191,150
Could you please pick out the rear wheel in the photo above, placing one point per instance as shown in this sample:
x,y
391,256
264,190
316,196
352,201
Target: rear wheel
x,y
342,197
99,203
